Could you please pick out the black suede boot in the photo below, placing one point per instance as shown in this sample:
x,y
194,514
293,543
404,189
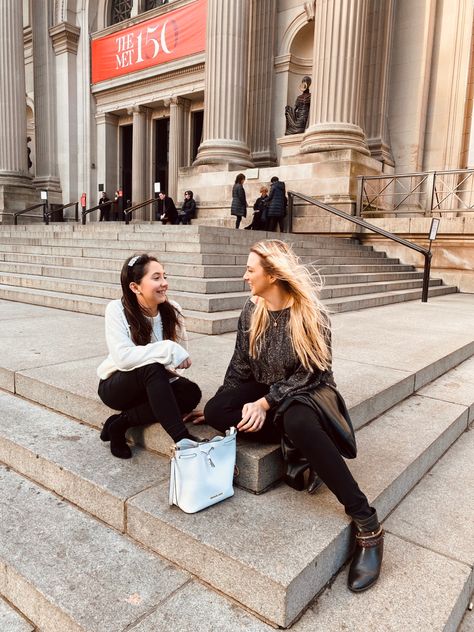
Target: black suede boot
x,y
104,435
367,560
118,443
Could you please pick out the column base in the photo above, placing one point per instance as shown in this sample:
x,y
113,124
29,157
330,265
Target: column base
x,y
334,136
221,152
16,193
52,185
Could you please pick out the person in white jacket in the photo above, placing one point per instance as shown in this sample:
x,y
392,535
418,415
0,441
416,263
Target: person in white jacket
x,y
147,343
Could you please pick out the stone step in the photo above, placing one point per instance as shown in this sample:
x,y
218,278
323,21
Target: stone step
x,y
276,574
12,621
185,269
148,240
361,347
346,284
349,303
179,256
189,294
65,572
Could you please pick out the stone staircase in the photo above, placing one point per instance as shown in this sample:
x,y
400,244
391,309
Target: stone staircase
x,y
74,267
88,542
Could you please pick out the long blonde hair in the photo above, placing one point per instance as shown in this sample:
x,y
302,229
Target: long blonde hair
x,y
309,322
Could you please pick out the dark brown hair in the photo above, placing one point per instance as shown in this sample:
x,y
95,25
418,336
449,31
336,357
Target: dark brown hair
x,y
239,178
137,317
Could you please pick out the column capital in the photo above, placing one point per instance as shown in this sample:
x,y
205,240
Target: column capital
x,y
106,117
65,38
137,109
179,101
310,8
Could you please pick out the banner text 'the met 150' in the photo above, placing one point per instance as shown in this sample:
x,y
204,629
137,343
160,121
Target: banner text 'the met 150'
x,y
170,36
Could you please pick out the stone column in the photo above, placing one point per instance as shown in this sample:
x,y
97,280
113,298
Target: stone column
x,y
139,154
15,186
338,56
107,151
178,141
226,81
377,71
65,38
261,136
46,115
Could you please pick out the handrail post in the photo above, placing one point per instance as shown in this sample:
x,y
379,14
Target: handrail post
x,y
76,211
290,213
426,277
83,217
433,190
46,213
127,218
360,182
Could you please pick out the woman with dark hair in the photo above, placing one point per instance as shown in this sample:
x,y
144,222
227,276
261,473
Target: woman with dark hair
x,y
147,341
239,200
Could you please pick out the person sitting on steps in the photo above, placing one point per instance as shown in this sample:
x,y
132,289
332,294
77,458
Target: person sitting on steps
x,y
147,340
279,386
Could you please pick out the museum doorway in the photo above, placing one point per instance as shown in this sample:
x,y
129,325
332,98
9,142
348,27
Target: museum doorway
x,y
162,135
197,122
126,147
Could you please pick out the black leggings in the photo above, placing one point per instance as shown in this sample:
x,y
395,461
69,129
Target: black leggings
x,y
238,219
273,221
303,427
147,396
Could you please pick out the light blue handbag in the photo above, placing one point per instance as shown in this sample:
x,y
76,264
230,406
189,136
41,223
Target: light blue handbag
x,y
202,473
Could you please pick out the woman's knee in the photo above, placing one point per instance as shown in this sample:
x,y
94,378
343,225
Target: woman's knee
x,y
297,419
187,393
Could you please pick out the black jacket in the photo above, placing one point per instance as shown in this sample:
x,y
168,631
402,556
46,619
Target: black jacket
x,y
239,201
166,207
277,200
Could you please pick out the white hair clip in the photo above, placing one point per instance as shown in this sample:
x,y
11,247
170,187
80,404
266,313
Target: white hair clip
x,y
133,261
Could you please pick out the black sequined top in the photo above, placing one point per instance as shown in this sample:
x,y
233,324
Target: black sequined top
x,y
277,366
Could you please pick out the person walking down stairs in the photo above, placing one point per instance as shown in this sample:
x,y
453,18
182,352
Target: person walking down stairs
x,y
239,200
279,386
147,341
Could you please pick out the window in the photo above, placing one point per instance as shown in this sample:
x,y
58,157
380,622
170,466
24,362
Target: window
x,y
152,4
120,10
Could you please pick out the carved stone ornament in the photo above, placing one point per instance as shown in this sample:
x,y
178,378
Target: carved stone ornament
x,y
310,8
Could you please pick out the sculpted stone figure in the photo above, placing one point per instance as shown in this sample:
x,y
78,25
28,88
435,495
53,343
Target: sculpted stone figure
x,y
297,117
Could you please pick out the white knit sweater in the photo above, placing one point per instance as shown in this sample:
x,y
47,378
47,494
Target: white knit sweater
x,y
125,355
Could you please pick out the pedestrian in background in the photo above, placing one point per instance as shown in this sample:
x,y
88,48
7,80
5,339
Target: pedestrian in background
x,y
105,204
187,212
166,211
239,200
259,211
276,205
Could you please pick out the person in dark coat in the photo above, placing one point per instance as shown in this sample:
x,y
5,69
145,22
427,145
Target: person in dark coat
x,y
276,205
105,205
187,212
239,200
259,211
166,211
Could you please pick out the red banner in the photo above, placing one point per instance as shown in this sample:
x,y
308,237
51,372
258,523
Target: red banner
x,y
172,35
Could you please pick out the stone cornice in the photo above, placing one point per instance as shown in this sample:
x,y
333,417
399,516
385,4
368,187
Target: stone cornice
x,y
65,38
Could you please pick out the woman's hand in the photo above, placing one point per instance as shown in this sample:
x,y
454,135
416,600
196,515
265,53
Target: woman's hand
x,y
185,364
195,416
253,416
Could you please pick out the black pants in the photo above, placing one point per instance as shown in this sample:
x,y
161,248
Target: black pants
x,y
303,427
147,396
273,221
238,219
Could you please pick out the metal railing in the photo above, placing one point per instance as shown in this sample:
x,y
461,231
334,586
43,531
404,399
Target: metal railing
x,y
423,193
27,210
47,214
361,222
85,212
128,211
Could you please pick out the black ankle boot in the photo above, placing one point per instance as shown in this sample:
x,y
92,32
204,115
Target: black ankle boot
x,y
104,435
314,482
118,443
295,465
367,560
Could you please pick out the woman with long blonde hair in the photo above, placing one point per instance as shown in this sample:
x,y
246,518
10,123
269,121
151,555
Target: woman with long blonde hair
x,y
279,386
